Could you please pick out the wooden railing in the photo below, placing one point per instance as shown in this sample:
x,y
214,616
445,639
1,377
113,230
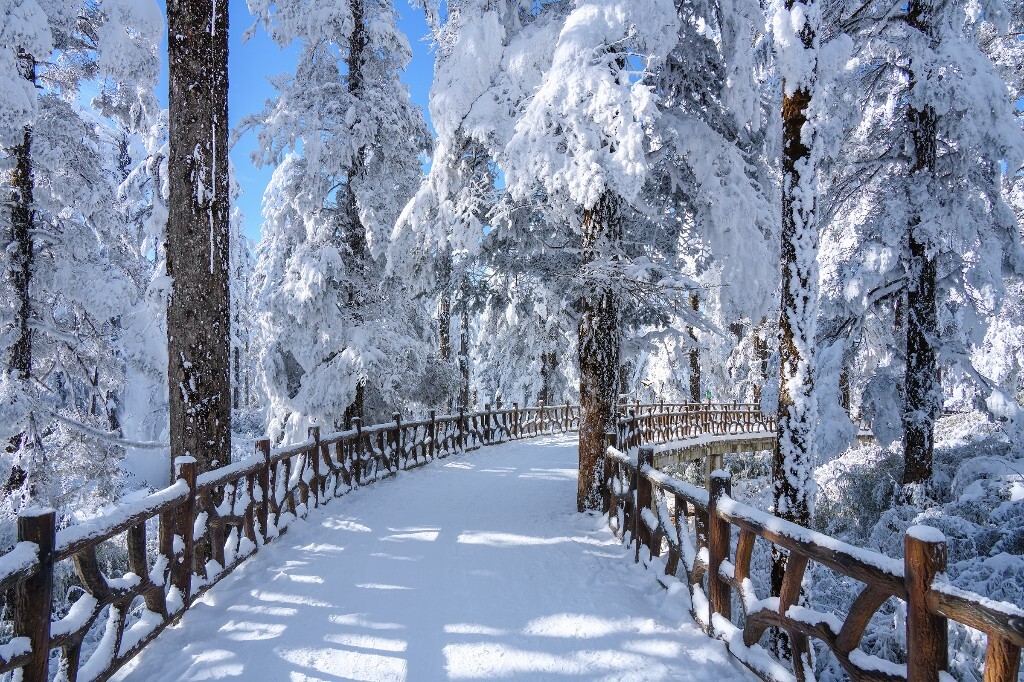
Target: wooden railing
x,y
175,544
690,530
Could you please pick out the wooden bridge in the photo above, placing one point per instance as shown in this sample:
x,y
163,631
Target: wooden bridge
x,y
178,543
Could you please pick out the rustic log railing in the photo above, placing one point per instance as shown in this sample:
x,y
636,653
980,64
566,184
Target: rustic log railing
x,y
687,532
182,540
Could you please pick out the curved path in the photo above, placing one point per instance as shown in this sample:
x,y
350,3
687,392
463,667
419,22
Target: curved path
x,y
474,567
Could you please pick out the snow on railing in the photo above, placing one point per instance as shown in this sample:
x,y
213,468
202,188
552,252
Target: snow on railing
x,y
178,542
661,515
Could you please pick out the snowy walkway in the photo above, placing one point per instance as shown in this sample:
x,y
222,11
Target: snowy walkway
x,y
474,567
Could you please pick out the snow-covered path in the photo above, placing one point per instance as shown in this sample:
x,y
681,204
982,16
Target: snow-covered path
x,y
473,567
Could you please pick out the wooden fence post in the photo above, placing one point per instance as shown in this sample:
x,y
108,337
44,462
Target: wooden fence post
x,y
611,440
487,423
313,432
262,511
515,420
565,426
540,416
462,428
643,500
433,435
719,537
357,462
924,556
184,521
399,441
33,599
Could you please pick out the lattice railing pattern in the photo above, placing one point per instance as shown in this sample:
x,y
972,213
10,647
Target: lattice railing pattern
x,y
182,540
688,531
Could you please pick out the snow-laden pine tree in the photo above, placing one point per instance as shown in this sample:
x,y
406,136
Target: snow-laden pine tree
x,y
580,155
795,31
346,142
714,185
436,244
922,178
74,267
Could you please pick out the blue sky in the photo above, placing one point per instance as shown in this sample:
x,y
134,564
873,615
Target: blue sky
x,y
249,65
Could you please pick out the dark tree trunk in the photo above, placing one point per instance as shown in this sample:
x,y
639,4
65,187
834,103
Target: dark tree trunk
x,y
464,349
21,247
444,327
923,398
548,366
761,356
694,354
356,233
598,351
197,248
22,258
794,450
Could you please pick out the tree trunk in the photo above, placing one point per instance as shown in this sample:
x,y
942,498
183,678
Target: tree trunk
x,y
793,457
197,246
356,232
694,354
464,349
598,351
761,356
444,327
22,258
923,398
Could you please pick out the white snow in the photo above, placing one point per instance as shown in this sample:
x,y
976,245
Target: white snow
x,y
926,533
475,567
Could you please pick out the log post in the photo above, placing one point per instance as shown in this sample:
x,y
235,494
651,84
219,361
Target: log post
x,y
719,537
540,416
565,423
515,420
924,556
313,432
357,461
462,428
399,441
262,515
644,495
184,521
33,598
1002,660
611,440
487,423
433,435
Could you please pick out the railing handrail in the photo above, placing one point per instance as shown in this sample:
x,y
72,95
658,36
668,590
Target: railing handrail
x,y
208,524
636,495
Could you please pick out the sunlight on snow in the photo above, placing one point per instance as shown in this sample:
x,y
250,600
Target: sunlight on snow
x,y
358,620
584,626
247,630
342,664
368,642
499,539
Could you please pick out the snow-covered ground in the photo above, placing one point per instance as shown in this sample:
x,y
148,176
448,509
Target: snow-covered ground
x,y
474,567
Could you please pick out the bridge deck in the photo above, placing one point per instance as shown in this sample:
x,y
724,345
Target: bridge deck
x,y
474,567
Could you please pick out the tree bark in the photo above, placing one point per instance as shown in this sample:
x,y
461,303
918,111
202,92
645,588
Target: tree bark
x,y
793,456
356,232
598,351
464,348
761,356
22,260
923,398
694,354
197,242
